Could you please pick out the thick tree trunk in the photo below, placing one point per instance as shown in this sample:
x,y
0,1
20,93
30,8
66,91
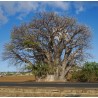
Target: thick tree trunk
x,y
65,70
56,74
57,66
50,78
62,76
64,73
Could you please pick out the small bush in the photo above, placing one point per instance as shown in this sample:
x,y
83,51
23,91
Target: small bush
x,y
80,76
88,73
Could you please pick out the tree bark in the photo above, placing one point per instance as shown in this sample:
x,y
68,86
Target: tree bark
x,y
62,74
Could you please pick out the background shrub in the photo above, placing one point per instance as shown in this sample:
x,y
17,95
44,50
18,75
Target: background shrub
x,y
88,73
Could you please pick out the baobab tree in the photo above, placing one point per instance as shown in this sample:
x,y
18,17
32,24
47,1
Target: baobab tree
x,y
58,41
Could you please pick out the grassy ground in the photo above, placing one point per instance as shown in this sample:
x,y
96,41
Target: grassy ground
x,y
17,78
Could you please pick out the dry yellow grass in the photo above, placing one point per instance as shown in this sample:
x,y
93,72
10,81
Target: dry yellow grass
x,y
24,78
17,78
47,92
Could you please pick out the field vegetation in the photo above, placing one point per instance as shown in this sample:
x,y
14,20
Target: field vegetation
x,y
88,73
24,78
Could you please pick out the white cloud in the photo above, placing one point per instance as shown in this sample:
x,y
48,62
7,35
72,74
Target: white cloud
x,y
56,4
26,6
21,16
80,9
11,8
79,6
3,18
23,8
20,9
60,4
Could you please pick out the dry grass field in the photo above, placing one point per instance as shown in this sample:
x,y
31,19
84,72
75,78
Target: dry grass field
x,y
47,92
17,78
24,78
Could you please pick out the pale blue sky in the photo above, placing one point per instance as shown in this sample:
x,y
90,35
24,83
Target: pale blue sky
x,y
15,13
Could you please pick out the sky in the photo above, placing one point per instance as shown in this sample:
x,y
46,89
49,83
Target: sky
x,y
16,12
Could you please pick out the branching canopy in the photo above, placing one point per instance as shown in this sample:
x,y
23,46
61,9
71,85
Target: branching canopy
x,y
58,41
